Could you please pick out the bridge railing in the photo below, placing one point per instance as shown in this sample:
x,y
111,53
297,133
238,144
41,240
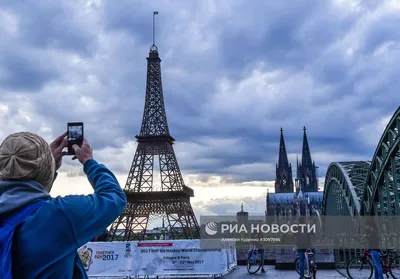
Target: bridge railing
x,y
344,249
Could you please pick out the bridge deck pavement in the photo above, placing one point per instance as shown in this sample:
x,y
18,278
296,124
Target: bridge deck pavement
x,y
271,272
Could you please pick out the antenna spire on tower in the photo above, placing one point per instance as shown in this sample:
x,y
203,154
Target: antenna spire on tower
x,y
153,46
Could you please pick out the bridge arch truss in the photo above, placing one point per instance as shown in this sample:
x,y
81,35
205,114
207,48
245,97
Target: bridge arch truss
x,y
382,185
344,188
365,188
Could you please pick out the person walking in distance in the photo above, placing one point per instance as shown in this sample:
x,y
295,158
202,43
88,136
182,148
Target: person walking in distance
x,y
303,242
373,246
48,231
257,244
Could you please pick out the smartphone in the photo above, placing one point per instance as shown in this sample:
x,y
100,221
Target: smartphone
x,y
75,135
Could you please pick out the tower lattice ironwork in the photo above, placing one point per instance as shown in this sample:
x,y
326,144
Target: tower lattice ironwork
x,y
171,202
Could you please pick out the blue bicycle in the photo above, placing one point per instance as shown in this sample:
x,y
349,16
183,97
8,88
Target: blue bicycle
x,y
310,267
254,260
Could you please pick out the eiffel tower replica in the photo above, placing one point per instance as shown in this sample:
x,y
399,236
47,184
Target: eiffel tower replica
x,y
170,203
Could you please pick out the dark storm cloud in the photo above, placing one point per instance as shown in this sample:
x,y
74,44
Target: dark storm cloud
x,y
287,37
378,34
52,25
131,17
27,62
233,73
23,73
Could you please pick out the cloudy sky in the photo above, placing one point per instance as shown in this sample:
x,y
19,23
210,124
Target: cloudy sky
x,y
233,72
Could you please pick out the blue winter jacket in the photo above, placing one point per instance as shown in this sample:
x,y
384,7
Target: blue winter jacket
x,y
45,245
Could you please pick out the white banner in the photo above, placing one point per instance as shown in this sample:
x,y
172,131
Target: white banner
x,y
157,257
167,257
108,258
230,250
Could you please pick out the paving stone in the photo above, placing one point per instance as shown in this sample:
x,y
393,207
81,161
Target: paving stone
x,y
271,272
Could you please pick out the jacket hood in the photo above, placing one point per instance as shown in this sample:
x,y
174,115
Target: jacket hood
x,y
17,194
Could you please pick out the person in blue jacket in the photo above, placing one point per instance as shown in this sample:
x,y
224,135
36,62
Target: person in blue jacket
x,y
45,245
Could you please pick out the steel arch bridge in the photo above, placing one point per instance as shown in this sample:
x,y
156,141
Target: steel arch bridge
x,y
364,188
367,187
381,193
344,188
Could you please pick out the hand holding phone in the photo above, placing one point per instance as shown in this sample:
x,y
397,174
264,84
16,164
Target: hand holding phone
x,y
75,135
83,153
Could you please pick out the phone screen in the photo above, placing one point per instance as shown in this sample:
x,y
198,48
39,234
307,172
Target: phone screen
x,y
75,136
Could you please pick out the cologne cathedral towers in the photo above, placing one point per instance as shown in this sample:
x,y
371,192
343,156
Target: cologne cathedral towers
x,y
298,197
306,174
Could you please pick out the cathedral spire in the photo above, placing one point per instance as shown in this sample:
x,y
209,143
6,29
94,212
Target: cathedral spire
x,y
305,154
283,159
306,169
284,180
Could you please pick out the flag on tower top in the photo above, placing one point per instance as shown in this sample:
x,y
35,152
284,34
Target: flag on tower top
x,y
155,13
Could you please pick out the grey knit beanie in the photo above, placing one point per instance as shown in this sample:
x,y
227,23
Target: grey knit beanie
x,y
26,156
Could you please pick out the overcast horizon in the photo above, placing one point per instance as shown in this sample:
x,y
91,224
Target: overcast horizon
x,y
233,72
